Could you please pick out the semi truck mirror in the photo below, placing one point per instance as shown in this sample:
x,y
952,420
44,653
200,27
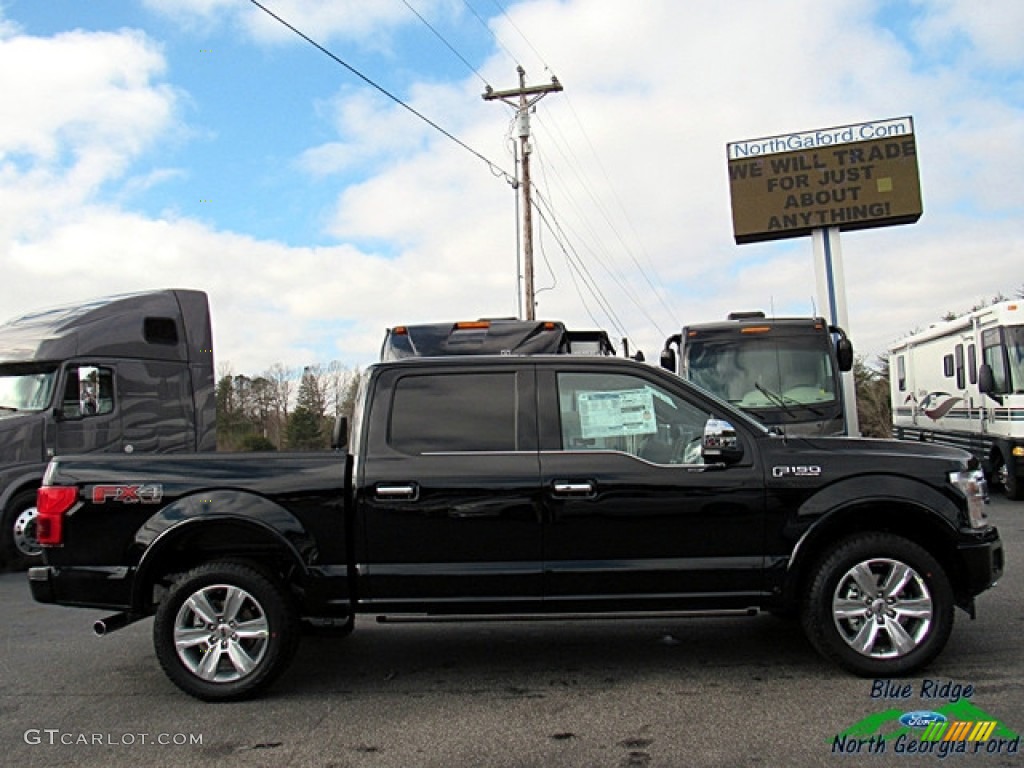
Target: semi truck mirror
x,y
987,382
668,359
844,354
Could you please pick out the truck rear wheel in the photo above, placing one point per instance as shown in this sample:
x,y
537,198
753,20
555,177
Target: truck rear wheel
x,y
878,605
18,536
225,631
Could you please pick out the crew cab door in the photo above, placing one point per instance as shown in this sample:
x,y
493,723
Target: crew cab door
x,y
635,518
448,498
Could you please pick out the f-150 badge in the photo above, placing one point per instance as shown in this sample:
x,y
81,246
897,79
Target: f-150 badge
x,y
128,494
804,471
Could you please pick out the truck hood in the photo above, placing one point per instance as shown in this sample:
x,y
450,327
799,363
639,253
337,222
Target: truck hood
x,y
898,450
21,438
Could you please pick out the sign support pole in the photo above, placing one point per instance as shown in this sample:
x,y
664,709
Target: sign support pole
x,y
831,284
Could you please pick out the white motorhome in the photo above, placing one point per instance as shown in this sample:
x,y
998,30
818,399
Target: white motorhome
x,y
961,383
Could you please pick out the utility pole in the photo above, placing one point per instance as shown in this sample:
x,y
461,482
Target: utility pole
x,y
520,98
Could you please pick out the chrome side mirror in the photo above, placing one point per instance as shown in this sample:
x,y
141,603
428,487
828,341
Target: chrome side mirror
x,y
720,442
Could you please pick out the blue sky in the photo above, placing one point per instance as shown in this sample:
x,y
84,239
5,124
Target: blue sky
x,y
198,143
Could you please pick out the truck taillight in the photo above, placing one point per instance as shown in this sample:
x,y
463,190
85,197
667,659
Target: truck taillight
x,y
52,502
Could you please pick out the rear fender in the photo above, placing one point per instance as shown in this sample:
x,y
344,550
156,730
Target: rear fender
x,y
218,524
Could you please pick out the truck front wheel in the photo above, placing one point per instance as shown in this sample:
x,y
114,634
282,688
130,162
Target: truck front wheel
x,y
225,631
878,605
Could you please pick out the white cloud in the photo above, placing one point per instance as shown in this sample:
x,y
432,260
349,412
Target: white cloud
x,y
106,97
89,107
991,28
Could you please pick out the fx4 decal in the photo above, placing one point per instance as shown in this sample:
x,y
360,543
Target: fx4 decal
x,y
128,494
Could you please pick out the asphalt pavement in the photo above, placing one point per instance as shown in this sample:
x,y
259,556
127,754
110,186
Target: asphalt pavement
x,y
662,692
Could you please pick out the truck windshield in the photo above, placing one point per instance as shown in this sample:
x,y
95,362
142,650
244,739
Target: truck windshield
x,y
759,372
26,387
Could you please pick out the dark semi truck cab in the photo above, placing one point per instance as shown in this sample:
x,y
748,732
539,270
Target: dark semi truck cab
x,y
513,485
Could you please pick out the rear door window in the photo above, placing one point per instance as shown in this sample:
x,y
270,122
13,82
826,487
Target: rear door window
x,y
454,412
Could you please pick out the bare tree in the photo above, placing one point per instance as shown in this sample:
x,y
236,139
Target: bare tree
x,y
282,386
336,382
874,411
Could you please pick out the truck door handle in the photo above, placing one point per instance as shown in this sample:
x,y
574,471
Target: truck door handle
x,y
397,491
584,488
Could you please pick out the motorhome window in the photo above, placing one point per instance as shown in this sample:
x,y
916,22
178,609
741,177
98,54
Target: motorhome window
x,y
1015,358
958,353
994,354
160,330
454,412
620,412
901,372
947,366
88,391
972,364
26,387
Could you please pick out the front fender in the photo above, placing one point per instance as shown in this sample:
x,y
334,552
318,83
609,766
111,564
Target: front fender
x,y
879,488
899,504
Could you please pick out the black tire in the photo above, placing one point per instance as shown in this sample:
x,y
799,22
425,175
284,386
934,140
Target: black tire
x,y
201,616
19,548
898,629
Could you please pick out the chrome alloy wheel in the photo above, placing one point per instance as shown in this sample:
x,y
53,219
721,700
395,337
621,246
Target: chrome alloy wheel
x,y
221,633
25,532
882,608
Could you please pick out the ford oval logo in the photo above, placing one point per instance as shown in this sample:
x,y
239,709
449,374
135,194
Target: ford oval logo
x,y
921,719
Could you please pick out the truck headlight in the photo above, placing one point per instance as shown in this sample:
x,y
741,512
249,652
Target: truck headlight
x,y
972,485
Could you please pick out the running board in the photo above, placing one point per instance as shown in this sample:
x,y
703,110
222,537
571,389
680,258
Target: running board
x,y
492,618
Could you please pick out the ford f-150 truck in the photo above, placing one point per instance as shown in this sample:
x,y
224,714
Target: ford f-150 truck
x,y
521,486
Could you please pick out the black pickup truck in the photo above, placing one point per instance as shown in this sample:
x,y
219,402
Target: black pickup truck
x,y
521,486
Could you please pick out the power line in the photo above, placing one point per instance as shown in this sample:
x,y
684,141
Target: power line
x,y
494,167
622,208
606,263
445,41
574,161
490,31
520,33
576,261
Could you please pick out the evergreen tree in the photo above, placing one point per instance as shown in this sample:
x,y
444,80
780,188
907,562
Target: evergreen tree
x,y
305,429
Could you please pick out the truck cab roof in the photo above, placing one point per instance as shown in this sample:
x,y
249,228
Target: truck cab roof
x,y
492,336
140,325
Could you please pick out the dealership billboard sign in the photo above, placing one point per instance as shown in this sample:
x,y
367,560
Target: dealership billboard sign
x,y
850,177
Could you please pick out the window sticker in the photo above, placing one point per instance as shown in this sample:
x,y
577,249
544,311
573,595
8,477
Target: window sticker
x,y
611,414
